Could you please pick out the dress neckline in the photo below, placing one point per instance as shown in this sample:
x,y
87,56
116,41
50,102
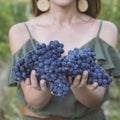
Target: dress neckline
x,y
90,41
37,42
34,42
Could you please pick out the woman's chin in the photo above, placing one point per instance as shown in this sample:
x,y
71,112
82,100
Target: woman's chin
x,y
63,3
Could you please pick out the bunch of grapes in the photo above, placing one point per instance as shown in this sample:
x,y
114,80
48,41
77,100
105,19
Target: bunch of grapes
x,y
79,60
49,65
45,60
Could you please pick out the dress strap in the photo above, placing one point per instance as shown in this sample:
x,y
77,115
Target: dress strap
x,y
28,30
100,26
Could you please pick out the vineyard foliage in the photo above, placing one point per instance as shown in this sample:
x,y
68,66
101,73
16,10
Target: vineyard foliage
x,y
13,12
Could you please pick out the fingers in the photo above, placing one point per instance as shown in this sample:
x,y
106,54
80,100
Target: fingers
x,y
94,86
43,85
70,80
27,81
52,93
80,80
34,82
84,79
76,81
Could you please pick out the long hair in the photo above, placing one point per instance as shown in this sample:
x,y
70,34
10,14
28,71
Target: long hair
x,y
94,8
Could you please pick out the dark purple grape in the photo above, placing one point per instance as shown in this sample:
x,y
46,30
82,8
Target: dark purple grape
x,y
45,60
79,60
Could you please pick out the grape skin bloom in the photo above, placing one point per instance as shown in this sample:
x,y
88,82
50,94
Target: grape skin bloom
x,y
49,65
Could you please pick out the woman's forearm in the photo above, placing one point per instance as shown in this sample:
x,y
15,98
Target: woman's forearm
x,y
38,100
35,98
89,98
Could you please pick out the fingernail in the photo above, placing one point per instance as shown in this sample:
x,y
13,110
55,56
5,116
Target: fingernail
x,y
85,72
33,72
27,81
78,77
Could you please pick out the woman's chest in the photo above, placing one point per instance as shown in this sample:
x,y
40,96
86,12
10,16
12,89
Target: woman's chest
x,y
70,38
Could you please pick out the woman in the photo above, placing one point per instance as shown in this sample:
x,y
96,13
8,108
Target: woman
x,y
74,23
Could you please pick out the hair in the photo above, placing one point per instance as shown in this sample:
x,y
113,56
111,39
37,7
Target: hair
x,y
94,8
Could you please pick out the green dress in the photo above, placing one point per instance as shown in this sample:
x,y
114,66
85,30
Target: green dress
x,y
68,106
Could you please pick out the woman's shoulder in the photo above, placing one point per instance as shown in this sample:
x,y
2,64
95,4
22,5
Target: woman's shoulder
x,y
17,28
109,33
109,26
18,35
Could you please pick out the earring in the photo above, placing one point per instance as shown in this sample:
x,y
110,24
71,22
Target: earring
x,y
82,5
43,5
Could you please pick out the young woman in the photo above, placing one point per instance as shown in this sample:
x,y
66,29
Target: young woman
x,y
74,23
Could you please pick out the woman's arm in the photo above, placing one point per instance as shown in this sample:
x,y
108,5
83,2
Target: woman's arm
x,y
36,94
91,95
87,94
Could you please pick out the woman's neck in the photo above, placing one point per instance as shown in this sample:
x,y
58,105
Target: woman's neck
x,y
63,15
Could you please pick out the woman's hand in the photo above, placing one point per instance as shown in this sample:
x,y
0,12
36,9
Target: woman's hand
x,y
36,93
80,81
33,83
88,94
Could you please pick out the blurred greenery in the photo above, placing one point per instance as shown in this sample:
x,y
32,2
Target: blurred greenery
x,y
10,105
14,12
110,12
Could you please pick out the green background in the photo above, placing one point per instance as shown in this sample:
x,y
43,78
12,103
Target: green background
x,y
14,11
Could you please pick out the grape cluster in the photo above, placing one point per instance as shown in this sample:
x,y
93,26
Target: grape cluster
x,y
79,60
50,65
45,60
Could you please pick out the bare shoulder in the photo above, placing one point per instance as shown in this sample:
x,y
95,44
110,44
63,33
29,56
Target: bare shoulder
x,y
18,35
109,33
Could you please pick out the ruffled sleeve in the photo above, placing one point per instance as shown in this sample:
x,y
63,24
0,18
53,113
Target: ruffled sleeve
x,y
10,76
29,45
107,57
